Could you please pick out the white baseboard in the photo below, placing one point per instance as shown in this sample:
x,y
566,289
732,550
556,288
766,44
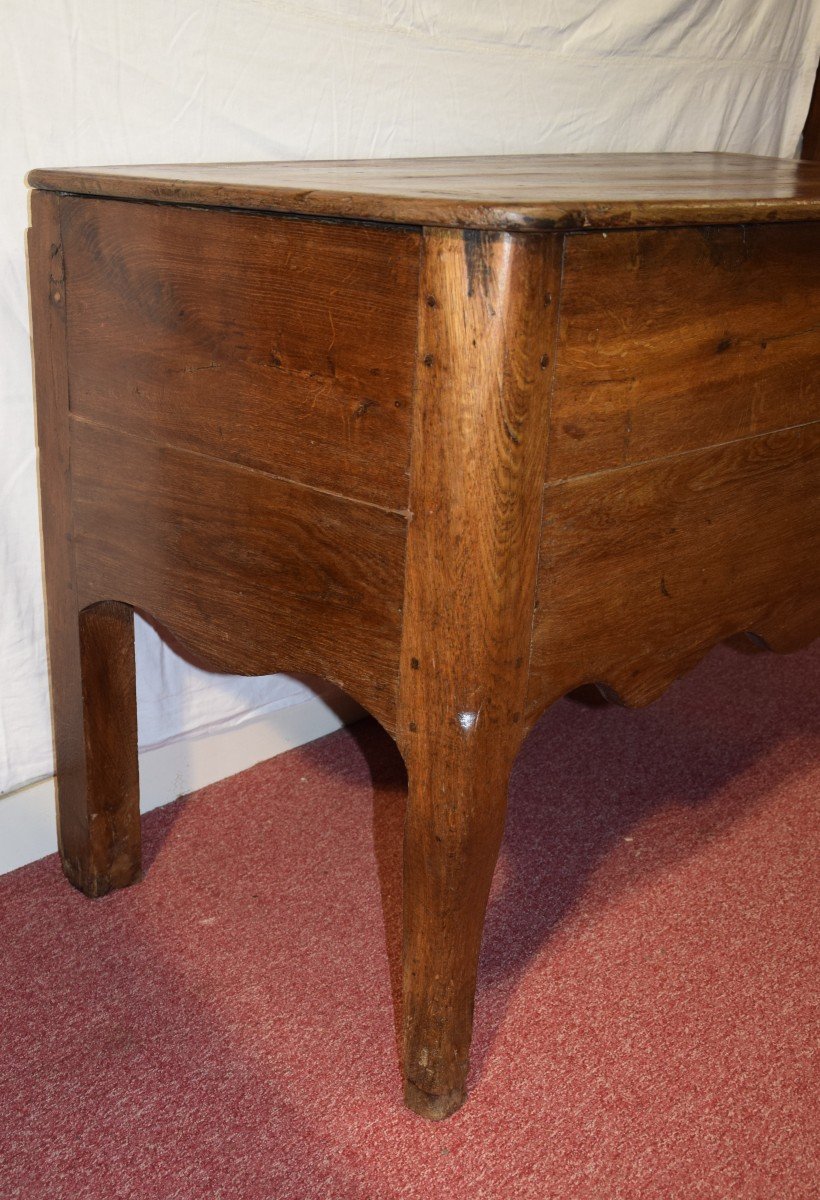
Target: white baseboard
x,y
27,821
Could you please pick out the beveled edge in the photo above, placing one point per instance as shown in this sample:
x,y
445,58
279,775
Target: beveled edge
x,y
435,210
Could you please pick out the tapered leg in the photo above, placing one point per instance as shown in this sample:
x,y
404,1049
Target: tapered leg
x,y
455,818
95,722
486,339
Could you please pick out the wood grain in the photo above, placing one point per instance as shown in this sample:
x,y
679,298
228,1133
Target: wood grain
x,y
486,342
251,574
282,345
677,339
643,569
539,191
91,655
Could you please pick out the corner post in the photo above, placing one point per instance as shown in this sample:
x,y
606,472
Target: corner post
x,y
91,652
488,304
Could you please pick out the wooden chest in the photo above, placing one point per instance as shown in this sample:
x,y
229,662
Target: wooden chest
x,y
459,435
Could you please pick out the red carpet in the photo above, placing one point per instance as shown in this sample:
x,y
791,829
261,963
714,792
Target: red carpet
x,y
647,1017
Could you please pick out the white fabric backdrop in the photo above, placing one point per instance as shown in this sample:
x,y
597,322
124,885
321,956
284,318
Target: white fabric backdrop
x,y
112,81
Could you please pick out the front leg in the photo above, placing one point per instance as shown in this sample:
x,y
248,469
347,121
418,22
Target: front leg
x,y
455,819
486,334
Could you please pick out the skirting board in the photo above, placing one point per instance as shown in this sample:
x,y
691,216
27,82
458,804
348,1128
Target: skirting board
x,y
27,824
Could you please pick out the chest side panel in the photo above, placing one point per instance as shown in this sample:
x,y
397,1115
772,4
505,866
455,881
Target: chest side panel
x,y
682,501
249,573
280,344
676,339
644,568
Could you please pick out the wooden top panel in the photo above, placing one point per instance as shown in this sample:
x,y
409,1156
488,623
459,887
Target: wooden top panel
x,y
568,191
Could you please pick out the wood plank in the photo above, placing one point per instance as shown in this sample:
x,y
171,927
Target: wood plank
x,y
250,574
677,339
287,346
644,568
538,191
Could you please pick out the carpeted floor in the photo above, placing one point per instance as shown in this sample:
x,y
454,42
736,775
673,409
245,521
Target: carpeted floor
x,y
647,1014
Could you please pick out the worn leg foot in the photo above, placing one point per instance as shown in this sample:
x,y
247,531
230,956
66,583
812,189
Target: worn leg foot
x,y
435,1108
94,702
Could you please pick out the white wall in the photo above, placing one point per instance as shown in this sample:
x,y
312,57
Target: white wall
x,y
110,81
